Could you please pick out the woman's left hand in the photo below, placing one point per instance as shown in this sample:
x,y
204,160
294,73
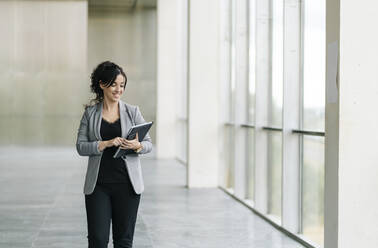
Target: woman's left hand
x,y
131,144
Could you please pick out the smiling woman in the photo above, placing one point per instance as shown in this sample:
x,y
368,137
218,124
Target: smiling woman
x,y
107,74
112,185
116,88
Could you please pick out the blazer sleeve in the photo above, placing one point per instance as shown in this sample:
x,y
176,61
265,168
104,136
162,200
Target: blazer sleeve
x,y
83,146
146,142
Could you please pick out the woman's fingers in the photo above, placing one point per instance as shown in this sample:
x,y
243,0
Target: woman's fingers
x,y
122,143
124,146
118,141
128,144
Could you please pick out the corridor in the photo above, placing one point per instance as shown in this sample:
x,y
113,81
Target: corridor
x,y
42,206
262,133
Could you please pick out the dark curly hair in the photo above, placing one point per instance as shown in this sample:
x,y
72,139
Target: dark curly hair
x,y
106,72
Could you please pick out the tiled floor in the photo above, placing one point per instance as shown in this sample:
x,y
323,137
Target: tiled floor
x,y
42,205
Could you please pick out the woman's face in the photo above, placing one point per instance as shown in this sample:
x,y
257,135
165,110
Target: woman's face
x,y
115,90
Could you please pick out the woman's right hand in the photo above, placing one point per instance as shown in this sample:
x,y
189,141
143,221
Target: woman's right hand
x,y
117,141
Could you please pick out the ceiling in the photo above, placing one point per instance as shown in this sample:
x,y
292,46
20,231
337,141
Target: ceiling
x,y
124,4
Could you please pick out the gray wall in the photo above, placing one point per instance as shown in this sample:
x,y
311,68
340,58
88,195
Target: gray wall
x,y
47,52
128,39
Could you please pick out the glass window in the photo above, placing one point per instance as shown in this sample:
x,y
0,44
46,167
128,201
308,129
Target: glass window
x,y
275,112
251,167
229,129
252,61
313,188
251,98
314,65
229,159
227,57
233,59
275,173
313,119
276,87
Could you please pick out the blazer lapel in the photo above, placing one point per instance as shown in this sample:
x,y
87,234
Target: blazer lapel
x,y
123,118
98,118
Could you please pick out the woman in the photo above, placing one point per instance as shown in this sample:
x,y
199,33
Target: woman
x,y
113,186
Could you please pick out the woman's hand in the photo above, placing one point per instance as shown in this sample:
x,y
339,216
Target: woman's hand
x,y
124,143
131,144
109,143
117,141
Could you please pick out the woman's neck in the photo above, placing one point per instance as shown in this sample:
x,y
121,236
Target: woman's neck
x,y
110,106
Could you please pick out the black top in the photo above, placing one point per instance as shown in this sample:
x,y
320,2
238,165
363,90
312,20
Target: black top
x,y
112,170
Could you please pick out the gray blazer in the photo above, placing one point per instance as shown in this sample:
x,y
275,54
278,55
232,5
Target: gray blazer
x,y
88,137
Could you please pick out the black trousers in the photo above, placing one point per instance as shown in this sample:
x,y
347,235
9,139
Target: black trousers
x,y
117,202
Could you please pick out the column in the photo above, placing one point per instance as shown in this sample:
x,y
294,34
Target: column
x,y
166,78
351,120
203,93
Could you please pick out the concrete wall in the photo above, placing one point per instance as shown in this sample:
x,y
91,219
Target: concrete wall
x,y
47,53
43,66
358,156
351,157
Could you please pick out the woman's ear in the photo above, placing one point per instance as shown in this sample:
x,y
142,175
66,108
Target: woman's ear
x,y
101,85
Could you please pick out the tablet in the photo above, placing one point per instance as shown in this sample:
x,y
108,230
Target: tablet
x,y
142,130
